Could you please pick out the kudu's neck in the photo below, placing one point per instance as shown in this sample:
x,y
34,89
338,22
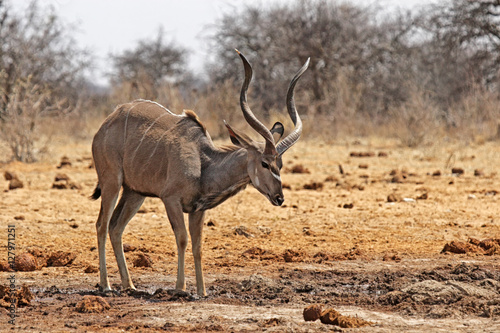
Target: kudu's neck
x,y
226,168
223,175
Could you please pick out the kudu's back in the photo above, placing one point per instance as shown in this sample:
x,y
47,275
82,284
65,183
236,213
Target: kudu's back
x,y
147,148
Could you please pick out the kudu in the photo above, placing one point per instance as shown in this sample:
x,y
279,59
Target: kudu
x,y
149,151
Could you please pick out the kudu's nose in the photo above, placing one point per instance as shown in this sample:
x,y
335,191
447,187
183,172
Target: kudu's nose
x,y
279,199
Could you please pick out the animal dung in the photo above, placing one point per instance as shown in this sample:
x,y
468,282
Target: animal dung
x,y
333,317
394,197
312,312
299,168
128,247
14,181
313,186
63,182
15,184
65,162
143,260
362,154
9,175
457,171
91,269
25,262
92,304
60,259
486,246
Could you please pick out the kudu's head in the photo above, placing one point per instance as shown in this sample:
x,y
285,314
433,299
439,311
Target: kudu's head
x,y
264,160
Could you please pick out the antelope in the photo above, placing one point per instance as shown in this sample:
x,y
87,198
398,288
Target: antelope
x,y
148,151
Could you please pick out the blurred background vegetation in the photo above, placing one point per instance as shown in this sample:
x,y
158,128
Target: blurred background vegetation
x,y
421,76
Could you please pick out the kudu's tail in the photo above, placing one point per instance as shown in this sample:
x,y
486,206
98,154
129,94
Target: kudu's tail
x,y
97,193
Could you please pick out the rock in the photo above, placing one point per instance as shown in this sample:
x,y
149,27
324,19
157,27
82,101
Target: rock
x,y
25,262
312,312
60,259
92,304
457,171
143,260
436,173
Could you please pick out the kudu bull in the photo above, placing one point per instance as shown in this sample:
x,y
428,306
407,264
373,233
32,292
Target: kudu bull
x,y
149,151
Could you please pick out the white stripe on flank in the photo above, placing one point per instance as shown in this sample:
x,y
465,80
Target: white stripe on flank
x,y
146,132
126,121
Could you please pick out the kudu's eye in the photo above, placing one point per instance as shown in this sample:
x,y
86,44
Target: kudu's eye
x,y
265,165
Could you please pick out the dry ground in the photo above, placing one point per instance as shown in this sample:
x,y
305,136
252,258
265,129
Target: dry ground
x,y
340,244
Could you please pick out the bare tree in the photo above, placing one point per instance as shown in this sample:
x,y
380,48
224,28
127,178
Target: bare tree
x,y
41,71
152,63
343,40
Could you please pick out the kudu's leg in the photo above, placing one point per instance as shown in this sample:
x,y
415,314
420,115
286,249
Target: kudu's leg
x,y
127,207
109,195
196,231
176,217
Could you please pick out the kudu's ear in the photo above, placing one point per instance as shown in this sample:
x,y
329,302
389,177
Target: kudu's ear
x,y
279,129
238,139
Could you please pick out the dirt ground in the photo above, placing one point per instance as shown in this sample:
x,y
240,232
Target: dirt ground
x,y
362,231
